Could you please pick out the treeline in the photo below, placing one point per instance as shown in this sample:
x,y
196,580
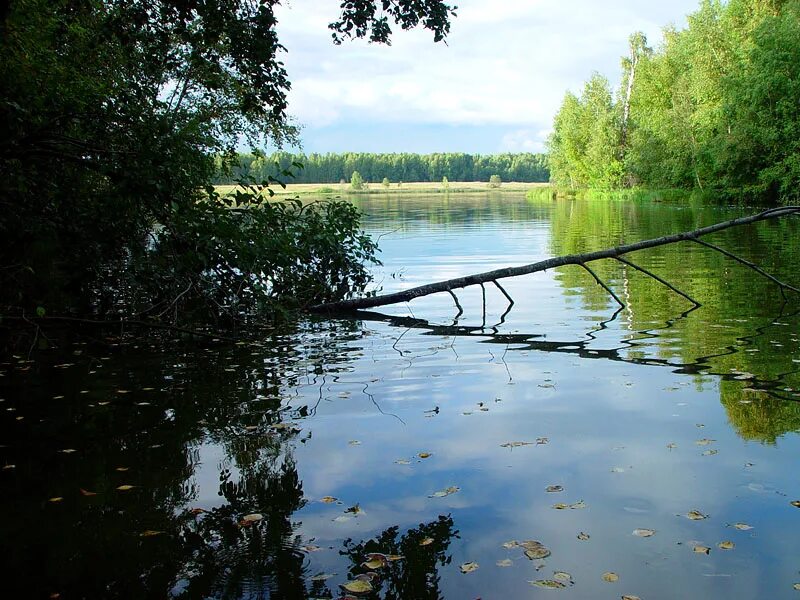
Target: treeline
x,y
332,168
716,107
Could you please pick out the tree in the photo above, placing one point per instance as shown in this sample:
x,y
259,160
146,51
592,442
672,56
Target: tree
x,y
356,181
495,181
445,183
94,157
385,183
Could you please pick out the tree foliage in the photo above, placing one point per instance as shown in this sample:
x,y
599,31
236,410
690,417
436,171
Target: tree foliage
x,y
115,117
403,166
714,107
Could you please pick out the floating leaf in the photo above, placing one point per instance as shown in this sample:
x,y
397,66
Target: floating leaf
x,y
354,443
310,548
549,584
672,446
355,509
573,506
506,562
150,533
87,492
726,545
125,487
704,442
67,450
515,444
377,562
796,586
394,557
122,469
696,515
197,511
610,577
631,598
252,518
583,536
554,488
710,452
328,499
445,492
510,544
702,549
426,541
424,455
617,469
542,440
562,576
644,532
322,577
534,550
795,503
742,526
358,586
402,461
56,499
469,567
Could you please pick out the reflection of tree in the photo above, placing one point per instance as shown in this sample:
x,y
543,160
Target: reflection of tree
x,y
423,549
164,405
756,415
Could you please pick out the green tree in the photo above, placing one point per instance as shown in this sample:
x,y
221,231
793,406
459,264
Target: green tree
x,y
385,183
356,181
445,183
495,181
114,116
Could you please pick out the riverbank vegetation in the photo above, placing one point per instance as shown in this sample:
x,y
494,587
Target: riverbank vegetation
x,y
713,107
112,116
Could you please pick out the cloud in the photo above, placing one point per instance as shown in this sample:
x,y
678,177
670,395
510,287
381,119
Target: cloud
x,y
505,63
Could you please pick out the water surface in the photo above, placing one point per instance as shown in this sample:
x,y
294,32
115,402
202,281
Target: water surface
x,y
130,465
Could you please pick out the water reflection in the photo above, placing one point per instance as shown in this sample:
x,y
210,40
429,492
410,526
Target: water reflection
x,y
648,413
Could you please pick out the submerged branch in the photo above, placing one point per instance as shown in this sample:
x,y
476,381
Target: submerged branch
x,y
571,259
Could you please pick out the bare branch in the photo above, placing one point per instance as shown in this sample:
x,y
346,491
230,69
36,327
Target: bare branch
x,y
560,261
783,286
602,283
657,278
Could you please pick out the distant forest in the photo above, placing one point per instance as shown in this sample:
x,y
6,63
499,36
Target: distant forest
x,y
400,167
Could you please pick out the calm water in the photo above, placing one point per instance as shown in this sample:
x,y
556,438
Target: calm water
x,y
134,470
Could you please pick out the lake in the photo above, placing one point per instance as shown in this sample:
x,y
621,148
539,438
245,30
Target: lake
x,y
559,449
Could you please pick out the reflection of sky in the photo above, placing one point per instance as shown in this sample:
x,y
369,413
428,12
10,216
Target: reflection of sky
x,y
600,416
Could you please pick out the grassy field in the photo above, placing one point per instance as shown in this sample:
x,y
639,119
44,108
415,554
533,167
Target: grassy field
x,y
454,187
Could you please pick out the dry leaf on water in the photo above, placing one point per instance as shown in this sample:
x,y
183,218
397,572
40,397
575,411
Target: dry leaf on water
x,y
469,567
534,550
125,487
583,536
358,586
515,444
150,533
726,545
328,499
426,541
742,526
610,577
554,488
506,562
424,454
696,515
702,549
445,492
644,532
548,583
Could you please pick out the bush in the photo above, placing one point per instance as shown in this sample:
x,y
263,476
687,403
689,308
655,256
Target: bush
x,y
495,181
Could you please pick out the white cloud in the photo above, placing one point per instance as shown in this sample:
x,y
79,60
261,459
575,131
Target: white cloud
x,y
506,63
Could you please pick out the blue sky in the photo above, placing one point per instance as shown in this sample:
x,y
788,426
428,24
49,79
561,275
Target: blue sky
x,y
494,87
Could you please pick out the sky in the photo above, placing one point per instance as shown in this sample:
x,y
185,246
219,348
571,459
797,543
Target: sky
x,y
494,87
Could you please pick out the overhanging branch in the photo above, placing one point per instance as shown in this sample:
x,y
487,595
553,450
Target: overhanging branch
x,y
573,259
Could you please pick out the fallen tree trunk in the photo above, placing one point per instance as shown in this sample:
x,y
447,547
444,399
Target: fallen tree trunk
x,y
572,259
